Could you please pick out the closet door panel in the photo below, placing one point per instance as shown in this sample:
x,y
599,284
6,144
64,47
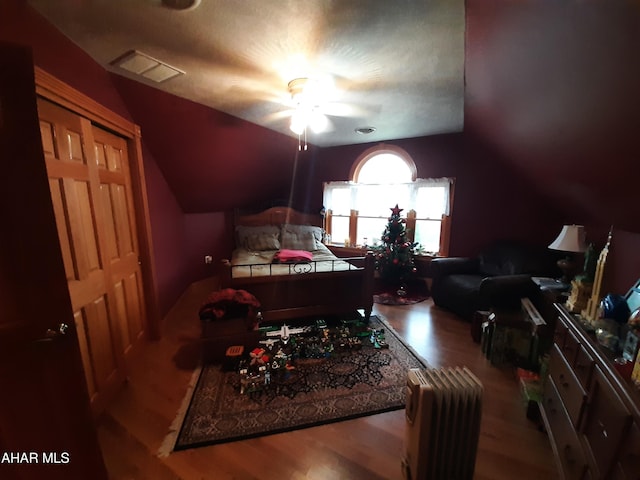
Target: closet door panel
x,y
128,305
111,247
100,341
86,238
85,353
133,285
55,186
119,227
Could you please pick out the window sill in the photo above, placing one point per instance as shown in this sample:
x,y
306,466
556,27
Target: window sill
x,y
341,251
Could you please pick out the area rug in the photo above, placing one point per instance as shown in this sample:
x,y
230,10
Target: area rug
x,y
357,382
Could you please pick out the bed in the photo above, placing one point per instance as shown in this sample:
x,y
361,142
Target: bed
x,y
318,283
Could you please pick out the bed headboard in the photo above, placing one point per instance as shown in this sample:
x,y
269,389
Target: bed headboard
x,y
277,216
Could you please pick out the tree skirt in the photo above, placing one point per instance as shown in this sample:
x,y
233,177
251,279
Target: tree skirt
x,y
358,382
414,292
392,298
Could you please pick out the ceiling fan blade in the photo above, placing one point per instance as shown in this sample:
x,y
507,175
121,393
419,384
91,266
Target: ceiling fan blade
x,y
321,124
336,109
277,116
330,126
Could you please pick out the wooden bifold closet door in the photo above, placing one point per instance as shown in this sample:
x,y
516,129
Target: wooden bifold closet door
x,y
90,187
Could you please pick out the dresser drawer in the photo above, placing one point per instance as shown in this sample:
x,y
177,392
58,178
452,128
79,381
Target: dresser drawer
x,y
606,421
570,347
601,407
572,393
562,434
583,366
560,332
628,465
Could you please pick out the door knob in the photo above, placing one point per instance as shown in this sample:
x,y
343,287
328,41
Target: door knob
x,y
53,333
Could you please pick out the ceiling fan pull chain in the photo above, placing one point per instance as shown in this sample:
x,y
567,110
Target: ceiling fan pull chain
x,y
300,141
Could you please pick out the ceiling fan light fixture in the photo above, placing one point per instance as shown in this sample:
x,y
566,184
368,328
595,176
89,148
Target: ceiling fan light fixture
x,y
297,88
306,94
298,122
318,122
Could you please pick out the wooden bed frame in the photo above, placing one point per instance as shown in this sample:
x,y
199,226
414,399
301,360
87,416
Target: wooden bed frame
x,y
285,297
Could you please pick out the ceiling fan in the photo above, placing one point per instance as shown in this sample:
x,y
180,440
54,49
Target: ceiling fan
x,y
310,105
307,96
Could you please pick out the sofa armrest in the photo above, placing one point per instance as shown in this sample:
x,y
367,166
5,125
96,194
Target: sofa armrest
x,y
507,290
441,267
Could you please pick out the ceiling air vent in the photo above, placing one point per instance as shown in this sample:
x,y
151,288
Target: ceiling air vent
x,y
148,67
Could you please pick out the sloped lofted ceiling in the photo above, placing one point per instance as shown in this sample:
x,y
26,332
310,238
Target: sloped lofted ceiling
x,y
553,88
397,67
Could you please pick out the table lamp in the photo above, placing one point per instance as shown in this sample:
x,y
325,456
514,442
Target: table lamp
x,y
570,240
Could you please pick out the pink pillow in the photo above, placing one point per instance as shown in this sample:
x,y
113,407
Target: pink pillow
x,y
289,256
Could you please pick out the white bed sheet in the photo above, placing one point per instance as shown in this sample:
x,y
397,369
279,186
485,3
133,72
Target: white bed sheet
x,y
245,264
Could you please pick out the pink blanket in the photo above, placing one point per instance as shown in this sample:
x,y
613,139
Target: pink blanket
x,y
292,256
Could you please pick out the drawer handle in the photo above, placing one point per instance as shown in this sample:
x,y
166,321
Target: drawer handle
x,y
563,381
552,408
603,429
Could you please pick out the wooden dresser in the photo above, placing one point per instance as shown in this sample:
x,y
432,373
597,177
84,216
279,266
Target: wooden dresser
x,y
591,413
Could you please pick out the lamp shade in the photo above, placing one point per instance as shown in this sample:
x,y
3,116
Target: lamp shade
x,y
571,239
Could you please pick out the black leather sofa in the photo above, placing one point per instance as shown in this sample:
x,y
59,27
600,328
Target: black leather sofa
x,y
497,278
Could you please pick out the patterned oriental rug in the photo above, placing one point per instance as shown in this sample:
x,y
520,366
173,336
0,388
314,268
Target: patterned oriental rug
x,y
354,383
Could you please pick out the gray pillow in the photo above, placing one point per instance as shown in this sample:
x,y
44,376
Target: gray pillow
x,y
264,237
298,241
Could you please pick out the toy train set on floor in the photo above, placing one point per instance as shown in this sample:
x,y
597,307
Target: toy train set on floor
x,y
282,348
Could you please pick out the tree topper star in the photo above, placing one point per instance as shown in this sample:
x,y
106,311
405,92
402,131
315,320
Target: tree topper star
x,y
395,210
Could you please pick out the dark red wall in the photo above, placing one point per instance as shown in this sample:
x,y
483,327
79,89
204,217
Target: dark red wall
x,y
550,118
214,162
54,53
491,200
169,239
623,262
553,87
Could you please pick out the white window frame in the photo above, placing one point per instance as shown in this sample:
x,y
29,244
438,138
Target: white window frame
x,y
414,213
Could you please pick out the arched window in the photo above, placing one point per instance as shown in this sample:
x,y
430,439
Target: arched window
x,y
383,176
384,165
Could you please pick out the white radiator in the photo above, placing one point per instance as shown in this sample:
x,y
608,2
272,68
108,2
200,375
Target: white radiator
x,y
443,411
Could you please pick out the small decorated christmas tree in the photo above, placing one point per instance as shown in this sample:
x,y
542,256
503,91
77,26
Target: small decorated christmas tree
x,y
394,257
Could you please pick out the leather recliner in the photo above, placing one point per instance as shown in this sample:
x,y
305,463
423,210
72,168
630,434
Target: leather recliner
x,y
497,278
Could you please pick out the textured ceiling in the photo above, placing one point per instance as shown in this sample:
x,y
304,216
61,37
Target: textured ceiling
x,y
396,66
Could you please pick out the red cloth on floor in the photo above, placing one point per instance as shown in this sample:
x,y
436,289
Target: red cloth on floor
x,y
219,302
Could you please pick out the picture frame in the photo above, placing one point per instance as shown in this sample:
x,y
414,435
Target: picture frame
x,y
631,346
633,297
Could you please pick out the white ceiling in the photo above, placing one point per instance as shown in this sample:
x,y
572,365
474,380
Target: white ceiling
x,y
397,65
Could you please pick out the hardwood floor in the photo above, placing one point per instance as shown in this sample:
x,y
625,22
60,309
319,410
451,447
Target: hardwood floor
x,y
134,426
